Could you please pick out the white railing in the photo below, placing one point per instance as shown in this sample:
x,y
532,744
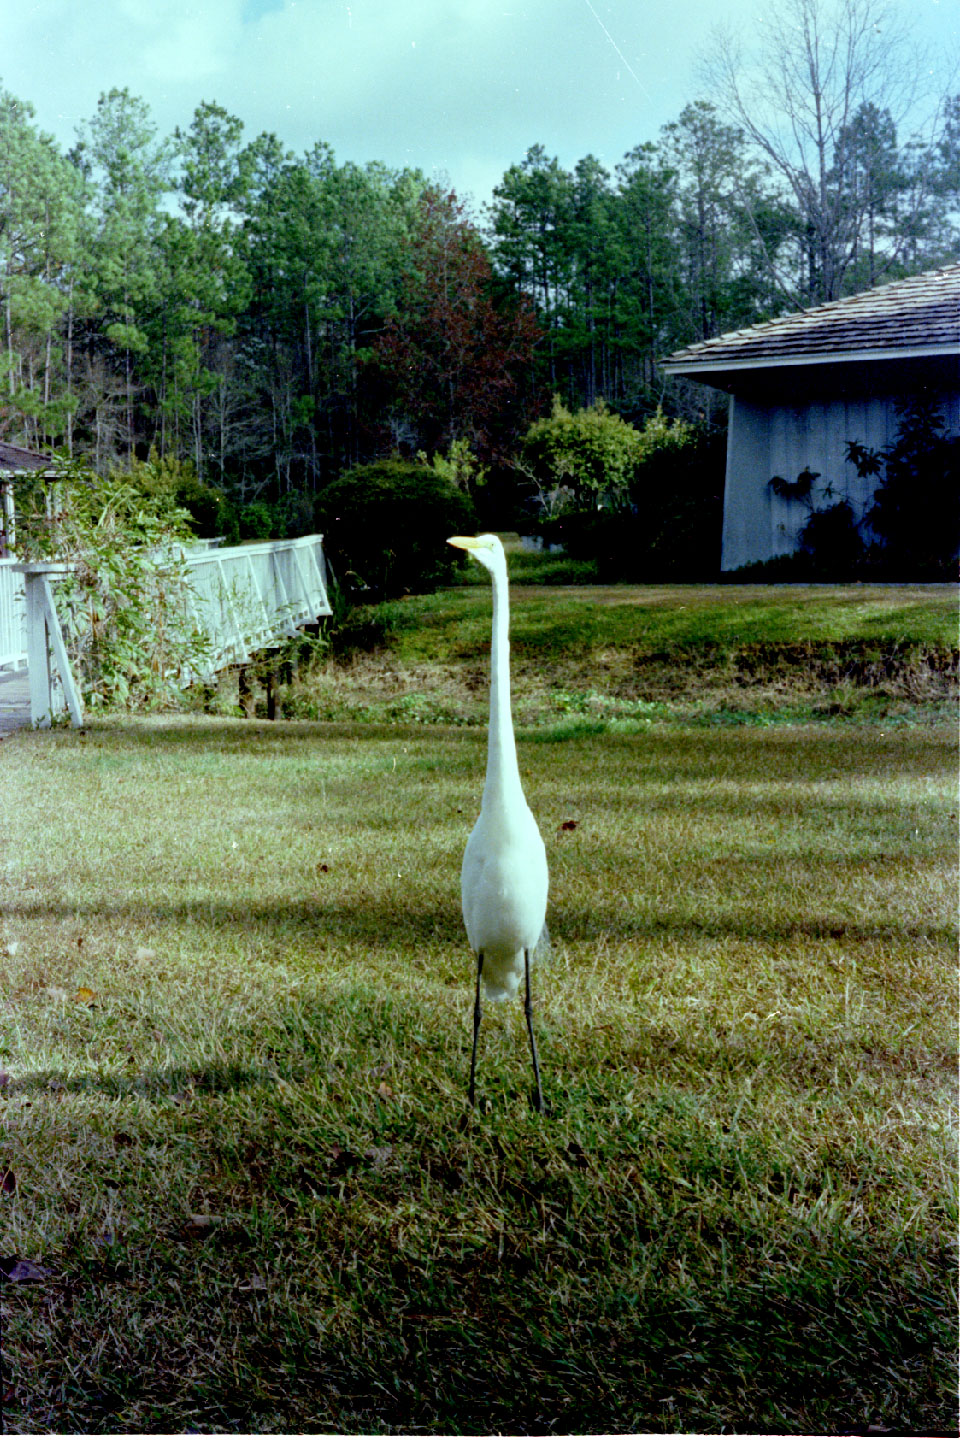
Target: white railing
x,y
13,617
247,597
242,599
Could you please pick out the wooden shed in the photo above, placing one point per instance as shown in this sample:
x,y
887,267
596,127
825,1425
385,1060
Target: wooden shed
x,y
803,385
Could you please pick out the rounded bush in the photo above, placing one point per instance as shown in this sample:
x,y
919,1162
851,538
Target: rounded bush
x,y
257,521
385,528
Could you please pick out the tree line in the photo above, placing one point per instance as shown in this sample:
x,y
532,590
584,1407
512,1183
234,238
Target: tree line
x,y
274,319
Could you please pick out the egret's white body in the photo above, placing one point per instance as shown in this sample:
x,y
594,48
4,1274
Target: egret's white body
x,y
503,889
503,881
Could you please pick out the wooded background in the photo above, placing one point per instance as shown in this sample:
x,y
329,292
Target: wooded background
x,y
274,318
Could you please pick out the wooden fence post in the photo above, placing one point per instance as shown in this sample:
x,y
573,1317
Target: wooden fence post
x,y
43,631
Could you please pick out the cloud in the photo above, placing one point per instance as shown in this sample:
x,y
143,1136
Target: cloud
x,y
181,45
464,86
407,81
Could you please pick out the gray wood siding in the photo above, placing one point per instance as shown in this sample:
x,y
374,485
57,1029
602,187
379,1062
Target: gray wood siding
x,y
780,439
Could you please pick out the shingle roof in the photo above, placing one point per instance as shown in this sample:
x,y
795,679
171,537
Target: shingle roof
x,y
913,317
14,458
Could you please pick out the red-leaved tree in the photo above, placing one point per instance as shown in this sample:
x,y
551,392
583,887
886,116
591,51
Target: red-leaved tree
x,y
458,364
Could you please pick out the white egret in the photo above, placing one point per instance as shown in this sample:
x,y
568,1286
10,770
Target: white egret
x,y
503,881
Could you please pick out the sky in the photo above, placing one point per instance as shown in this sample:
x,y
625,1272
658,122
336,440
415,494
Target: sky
x,y
458,88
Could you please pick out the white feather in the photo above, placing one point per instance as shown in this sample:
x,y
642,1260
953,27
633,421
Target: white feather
x,y
503,888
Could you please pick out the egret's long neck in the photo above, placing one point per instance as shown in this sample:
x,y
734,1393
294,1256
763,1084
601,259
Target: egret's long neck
x,y
503,773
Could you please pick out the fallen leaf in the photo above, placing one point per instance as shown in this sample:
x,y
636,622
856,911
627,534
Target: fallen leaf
x,y
384,1091
21,1272
84,996
143,953
198,1227
341,1161
8,1182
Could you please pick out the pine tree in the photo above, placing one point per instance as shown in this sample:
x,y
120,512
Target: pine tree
x,y
127,175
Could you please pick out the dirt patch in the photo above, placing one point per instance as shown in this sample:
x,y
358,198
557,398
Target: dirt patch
x,y
916,673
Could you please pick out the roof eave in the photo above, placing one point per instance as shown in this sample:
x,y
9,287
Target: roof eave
x,y
776,362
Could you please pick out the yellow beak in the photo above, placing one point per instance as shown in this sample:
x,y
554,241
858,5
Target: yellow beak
x,y
465,542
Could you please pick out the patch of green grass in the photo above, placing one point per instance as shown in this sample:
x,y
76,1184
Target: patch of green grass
x,y
534,567
236,1017
654,620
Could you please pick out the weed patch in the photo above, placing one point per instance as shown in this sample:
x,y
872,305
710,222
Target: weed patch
x,y
621,657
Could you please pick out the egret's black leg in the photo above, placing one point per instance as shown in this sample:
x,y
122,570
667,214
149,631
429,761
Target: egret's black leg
x,y
528,1011
477,1014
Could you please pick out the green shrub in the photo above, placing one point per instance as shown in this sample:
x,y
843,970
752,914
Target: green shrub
x,y
678,503
386,526
257,521
210,511
670,529
293,515
592,453
125,607
915,513
460,466
832,543
910,532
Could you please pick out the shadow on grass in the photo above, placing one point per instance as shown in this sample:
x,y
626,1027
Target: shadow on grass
x,y
624,1286
364,1022
202,732
378,924
366,920
740,924
179,1084
684,745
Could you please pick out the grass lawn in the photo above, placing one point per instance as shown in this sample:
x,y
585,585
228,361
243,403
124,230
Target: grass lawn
x,y
235,999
